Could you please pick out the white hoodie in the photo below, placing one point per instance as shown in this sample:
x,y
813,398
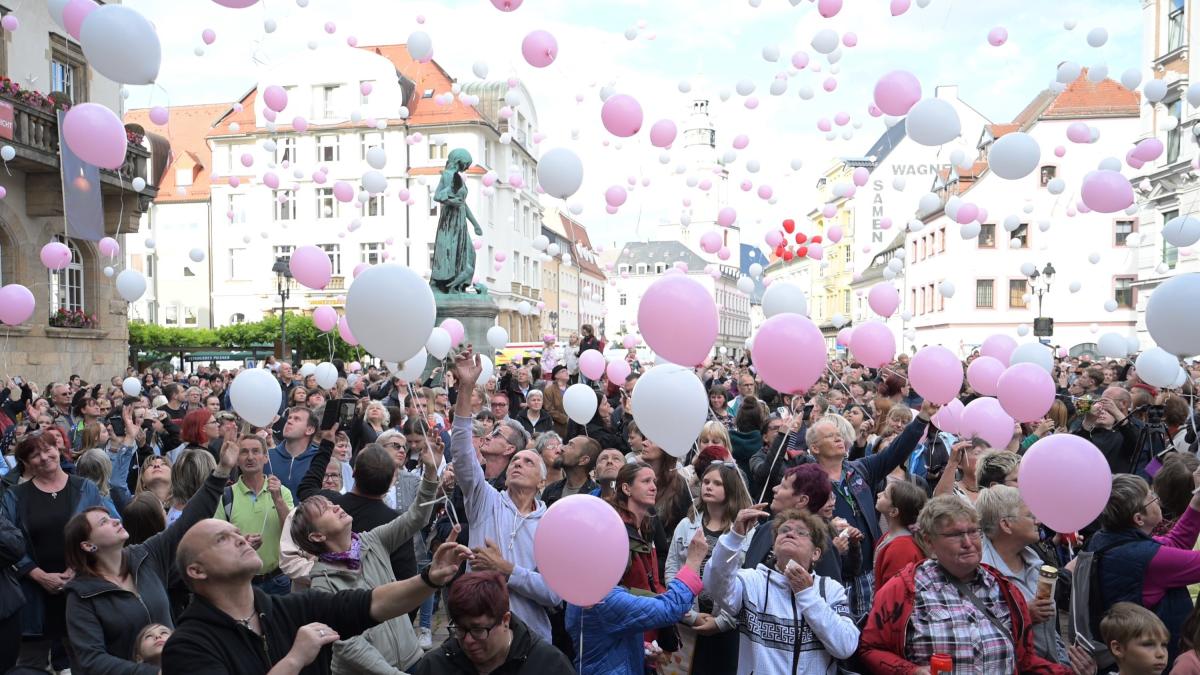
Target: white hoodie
x,y
768,613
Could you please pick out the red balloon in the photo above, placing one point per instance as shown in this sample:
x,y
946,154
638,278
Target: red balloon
x,y
816,239
779,251
801,238
789,226
787,255
802,251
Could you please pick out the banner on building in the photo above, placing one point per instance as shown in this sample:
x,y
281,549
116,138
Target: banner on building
x,y
82,207
6,120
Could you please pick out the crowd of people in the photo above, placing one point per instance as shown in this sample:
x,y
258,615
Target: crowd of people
x,y
837,530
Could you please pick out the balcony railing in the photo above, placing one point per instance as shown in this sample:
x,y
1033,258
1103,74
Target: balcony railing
x,y
35,138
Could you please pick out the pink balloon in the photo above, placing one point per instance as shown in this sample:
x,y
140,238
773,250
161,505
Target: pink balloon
x,y
55,255
209,36
850,39
96,135
844,335
800,60
16,304
967,212
724,253
897,92
271,180
539,49
997,36
883,298
359,269
816,251
365,88
984,418
1059,151
275,97
789,353
861,176
344,331
1078,132
581,549
74,14
872,344
1026,392
1148,150
834,234
343,191
662,133
710,242
311,267
591,364
629,342
998,346
671,303
829,8
615,196
741,141
10,23
984,375
621,115
728,216
325,318
299,124
765,192
1065,481
1106,191
936,374
236,4
159,115
506,5
949,417
618,370
899,7
109,247
774,238
455,328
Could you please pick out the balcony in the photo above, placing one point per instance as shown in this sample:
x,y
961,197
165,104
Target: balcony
x,y
35,139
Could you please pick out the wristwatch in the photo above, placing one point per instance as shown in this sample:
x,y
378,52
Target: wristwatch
x,y
427,581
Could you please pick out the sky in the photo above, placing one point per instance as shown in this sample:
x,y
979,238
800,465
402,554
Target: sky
x,y
708,45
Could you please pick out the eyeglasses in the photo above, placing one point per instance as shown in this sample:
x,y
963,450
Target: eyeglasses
x,y
394,445
1153,498
478,634
966,535
785,530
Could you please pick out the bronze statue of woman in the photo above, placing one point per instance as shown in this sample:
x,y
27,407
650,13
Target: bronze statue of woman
x,y
453,265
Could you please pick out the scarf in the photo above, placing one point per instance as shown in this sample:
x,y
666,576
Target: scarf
x,y
350,559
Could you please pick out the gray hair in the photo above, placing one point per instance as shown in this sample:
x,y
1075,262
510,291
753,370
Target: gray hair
x,y
994,504
521,440
844,429
535,392
387,416
477,428
544,439
386,435
940,510
95,466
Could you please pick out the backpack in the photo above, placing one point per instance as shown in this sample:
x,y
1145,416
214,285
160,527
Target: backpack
x,y
227,502
1086,601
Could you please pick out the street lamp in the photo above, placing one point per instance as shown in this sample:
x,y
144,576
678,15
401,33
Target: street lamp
x,y
283,276
1042,327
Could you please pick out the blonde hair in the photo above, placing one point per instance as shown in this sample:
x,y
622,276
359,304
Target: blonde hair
x,y
996,503
713,428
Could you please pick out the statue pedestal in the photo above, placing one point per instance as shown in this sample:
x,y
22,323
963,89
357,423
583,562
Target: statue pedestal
x,y
476,312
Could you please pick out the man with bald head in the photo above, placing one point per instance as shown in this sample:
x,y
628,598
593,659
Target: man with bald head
x,y
1108,426
502,523
232,627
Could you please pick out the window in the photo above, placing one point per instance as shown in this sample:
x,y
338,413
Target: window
x,y
1123,228
984,293
285,149
987,235
368,140
438,150
285,205
374,205
66,285
1123,292
433,206
183,177
941,240
282,252
237,207
1019,238
151,265
641,268
326,203
187,272
929,298
362,90
371,252
1017,288
189,316
323,96
623,269
237,318
845,299
1176,26
172,315
68,68
1170,253
1174,135
659,268
334,251
327,148
1048,173
239,263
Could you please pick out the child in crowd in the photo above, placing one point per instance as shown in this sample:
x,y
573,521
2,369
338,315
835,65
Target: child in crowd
x,y
149,645
1137,639
899,504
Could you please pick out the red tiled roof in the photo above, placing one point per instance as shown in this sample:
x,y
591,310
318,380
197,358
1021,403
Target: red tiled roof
x,y
1084,98
998,130
429,75
186,130
578,235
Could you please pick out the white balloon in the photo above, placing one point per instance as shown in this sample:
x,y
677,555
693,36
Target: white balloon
x,y
308,369
196,254
946,288
745,285
1035,353
139,184
391,311
825,41
1022,330
1182,231
1097,73
487,368
540,242
1093,258
497,337
413,368
374,182
670,407
1014,155
326,374
256,396
838,320
784,297
969,230
1068,72
1113,345
930,202
131,386
1130,79
7,153
1154,91
131,285
1193,95
756,270
1056,186
933,122
377,157
1028,268
1074,286
553,250
1180,379
579,401
1157,367
480,69
1171,317
121,44
419,44
560,173
56,8
1096,37
1110,305
438,343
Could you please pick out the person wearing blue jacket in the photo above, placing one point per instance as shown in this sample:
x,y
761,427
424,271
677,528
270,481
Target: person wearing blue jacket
x,y
291,458
608,635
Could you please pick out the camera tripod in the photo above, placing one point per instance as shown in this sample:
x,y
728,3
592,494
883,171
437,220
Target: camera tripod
x,y
1151,439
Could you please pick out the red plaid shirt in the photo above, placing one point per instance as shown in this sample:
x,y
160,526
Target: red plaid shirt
x,y
945,622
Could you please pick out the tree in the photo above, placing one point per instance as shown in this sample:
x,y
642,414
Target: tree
x,y
303,337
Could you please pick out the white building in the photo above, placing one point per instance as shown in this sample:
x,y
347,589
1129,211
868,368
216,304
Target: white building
x,y
992,294
252,225
573,284
1166,187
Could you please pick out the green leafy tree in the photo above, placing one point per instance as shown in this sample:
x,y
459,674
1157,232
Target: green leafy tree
x,y
302,336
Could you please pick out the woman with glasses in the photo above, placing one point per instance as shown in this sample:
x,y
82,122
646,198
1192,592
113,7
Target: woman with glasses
x,y
1136,567
155,478
722,496
791,619
964,455
197,428
953,604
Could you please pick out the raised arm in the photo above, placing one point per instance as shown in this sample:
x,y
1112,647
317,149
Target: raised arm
x,y
828,615
402,528
401,597
467,471
883,462
310,484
